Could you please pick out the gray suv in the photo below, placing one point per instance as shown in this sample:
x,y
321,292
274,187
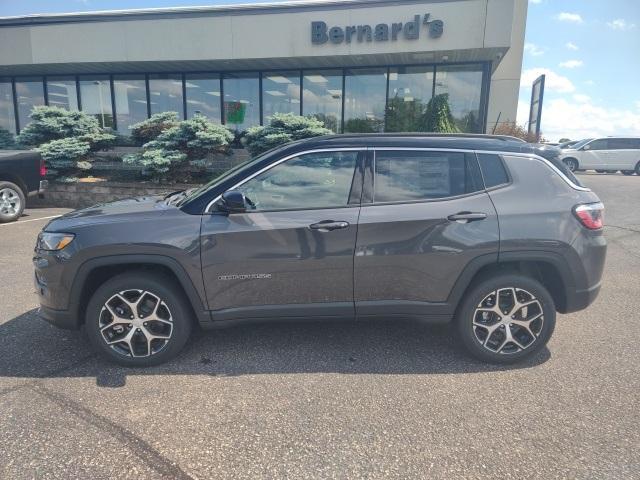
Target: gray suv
x,y
490,233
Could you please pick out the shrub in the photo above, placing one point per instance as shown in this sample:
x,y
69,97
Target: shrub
x,y
512,129
283,128
7,140
54,123
65,155
149,129
188,140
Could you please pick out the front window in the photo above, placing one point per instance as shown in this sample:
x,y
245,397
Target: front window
x,y
364,100
131,101
601,144
280,93
241,100
458,90
29,94
165,94
62,92
410,91
203,96
314,180
322,97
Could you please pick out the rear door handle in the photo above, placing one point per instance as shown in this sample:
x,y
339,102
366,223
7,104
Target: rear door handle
x,y
328,225
466,217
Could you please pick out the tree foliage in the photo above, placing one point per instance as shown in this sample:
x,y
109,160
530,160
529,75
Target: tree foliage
x,y
66,154
512,129
188,140
7,140
438,116
149,129
282,128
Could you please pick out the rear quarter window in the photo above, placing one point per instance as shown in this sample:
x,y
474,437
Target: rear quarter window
x,y
493,170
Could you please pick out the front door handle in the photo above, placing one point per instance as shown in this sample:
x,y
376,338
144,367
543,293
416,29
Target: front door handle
x,y
328,225
466,217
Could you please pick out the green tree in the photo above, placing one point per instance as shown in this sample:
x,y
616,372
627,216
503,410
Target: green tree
x,y
438,117
283,128
562,140
186,141
405,116
7,140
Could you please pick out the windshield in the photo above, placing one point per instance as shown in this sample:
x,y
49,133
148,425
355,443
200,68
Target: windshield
x,y
581,143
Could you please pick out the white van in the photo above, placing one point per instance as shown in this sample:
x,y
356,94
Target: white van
x,y
608,154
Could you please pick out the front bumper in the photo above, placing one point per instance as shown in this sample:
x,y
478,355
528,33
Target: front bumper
x,y
59,318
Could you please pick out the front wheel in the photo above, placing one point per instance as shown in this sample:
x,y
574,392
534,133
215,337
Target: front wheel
x,y
506,318
571,163
12,202
138,319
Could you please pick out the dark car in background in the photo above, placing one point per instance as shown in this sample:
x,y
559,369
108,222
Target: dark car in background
x,y
22,174
491,233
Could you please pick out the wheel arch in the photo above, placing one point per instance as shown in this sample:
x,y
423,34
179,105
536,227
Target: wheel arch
x,y
15,179
95,272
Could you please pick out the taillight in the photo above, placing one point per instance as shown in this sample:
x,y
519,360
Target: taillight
x,y
43,168
591,215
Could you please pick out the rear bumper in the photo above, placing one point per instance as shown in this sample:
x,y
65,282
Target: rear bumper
x,y
59,318
581,299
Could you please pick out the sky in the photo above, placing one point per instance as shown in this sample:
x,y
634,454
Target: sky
x,y
588,49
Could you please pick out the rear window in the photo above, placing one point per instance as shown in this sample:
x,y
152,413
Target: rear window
x,y
422,175
553,156
493,170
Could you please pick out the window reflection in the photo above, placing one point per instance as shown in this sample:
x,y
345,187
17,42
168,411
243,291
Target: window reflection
x,y
165,94
365,98
322,97
95,95
61,92
410,89
280,93
7,120
316,180
241,100
203,96
29,93
131,101
462,84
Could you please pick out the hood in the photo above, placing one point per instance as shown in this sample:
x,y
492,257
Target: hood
x,y
127,210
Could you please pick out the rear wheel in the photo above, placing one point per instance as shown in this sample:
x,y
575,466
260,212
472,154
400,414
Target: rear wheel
x,y
12,202
637,168
627,172
138,319
506,318
571,163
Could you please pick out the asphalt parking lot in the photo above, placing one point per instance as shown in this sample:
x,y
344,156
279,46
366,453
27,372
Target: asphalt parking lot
x,y
318,400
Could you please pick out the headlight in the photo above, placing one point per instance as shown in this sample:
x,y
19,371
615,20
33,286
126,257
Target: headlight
x,y
54,241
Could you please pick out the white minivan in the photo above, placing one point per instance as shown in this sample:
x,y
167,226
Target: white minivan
x,y
608,154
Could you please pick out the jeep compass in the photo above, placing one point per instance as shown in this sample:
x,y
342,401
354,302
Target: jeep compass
x,y
491,233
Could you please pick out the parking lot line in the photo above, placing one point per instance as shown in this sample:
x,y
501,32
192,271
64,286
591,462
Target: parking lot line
x,y
30,220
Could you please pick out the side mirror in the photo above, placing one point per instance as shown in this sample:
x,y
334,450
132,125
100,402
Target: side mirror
x,y
586,147
233,201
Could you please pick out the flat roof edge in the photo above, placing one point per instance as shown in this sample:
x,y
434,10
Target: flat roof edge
x,y
173,12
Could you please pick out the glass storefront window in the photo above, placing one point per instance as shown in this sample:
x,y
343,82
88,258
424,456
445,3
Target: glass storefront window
x,y
364,100
61,92
322,97
7,115
410,90
203,96
131,101
241,100
165,94
461,86
95,96
29,93
280,93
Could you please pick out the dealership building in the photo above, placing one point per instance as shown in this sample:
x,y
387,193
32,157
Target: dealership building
x,y
357,65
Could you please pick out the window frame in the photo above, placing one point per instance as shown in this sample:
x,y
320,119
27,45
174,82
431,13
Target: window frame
x,y
355,191
504,165
469,155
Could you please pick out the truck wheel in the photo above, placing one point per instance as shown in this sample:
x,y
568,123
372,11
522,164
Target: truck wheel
x,y
506,318
138,319
12,202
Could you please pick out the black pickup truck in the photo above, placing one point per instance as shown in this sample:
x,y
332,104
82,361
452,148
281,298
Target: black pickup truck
x,y
22,174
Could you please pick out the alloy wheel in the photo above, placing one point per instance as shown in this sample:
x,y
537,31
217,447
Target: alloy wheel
x,y
508,320
136,323
10,202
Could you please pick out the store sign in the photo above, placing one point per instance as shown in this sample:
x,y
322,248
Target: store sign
x,y
382,32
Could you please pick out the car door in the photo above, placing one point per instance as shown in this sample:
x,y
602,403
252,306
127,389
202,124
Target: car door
x,y
622,153
595,154
425,216
292,254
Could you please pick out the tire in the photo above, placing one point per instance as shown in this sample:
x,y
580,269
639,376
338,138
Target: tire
x,y
627,172
12,202
571,163
498,349
637,169
601,171
161,319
